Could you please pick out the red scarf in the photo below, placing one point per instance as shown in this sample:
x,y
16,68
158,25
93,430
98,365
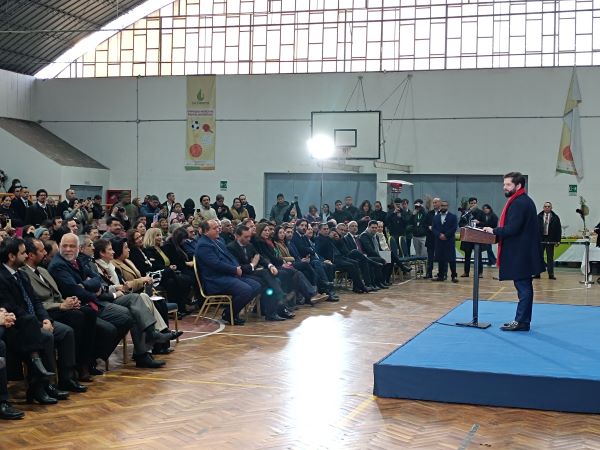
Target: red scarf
x,y
503,216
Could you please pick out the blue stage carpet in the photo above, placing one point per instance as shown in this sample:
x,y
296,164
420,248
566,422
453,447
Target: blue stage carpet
x,y
555,366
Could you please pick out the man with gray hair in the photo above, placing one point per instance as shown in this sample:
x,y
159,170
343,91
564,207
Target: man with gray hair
x,y
227,231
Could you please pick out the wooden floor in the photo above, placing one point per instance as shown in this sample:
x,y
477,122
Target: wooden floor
x,y
302,384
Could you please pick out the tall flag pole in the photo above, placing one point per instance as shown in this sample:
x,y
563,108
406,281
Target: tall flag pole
x,y
570,153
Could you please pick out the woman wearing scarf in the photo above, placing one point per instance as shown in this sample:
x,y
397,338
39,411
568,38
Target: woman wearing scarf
x,y
519,247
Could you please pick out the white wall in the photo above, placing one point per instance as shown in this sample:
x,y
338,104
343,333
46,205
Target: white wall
x,y
15,95
457,122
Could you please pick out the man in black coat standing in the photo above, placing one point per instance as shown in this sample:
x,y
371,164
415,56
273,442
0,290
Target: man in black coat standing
x,y
443,228
519,247
551,231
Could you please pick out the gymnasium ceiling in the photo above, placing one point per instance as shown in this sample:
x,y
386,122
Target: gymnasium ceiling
x,y
33,33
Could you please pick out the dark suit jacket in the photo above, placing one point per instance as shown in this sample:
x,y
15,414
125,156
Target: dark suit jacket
x,y
12,298
326,249
554,227
216,264
521,253
174,256
19,208
244,259
368,245
445,251
158,263
36,214
70,281
303,246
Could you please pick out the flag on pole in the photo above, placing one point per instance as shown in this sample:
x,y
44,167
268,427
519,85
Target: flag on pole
x,y
570,152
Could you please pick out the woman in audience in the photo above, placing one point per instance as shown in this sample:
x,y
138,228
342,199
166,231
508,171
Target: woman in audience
x,y
174,249
238,212
15,184
189,208
378,213
364,215
313,215
177,285
325,213
293,281
135,242
8,213
140,225
28,231
42,234
163,226
130,277
78,212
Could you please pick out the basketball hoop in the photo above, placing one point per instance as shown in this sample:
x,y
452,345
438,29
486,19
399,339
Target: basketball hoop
x,y
345,151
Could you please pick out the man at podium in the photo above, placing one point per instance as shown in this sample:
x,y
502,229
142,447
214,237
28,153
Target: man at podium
x,y
519,248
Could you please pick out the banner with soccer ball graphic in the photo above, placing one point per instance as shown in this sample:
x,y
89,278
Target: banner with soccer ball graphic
x,y
201,133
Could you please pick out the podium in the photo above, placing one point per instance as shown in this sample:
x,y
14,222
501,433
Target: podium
x,y
476,237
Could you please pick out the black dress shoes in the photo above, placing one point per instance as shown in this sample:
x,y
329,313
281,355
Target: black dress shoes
x,y
332,298
515,326
157,338
54,392
274,318
552,277
437,279
95,371
37,393
172,334
382,286
72,386
454,279
37,367
236,320
7,412
162,350
286,314
145,361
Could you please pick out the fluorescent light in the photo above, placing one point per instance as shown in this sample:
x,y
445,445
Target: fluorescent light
x,y
90,42
321,146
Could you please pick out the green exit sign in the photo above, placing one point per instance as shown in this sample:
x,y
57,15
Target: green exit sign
x,y
223,185
572,190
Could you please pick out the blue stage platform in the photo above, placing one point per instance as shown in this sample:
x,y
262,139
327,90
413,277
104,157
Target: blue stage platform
x,y
555,366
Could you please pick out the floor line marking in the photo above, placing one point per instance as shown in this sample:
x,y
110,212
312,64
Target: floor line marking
x,y
470,435
358,409
496,293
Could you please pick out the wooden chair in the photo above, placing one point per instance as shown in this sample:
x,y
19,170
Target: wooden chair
x,y
216,300
341,279
254,303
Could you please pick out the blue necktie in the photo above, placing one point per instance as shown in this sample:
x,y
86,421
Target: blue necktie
x,y
30,309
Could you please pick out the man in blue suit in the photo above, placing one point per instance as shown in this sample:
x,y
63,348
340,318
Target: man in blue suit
x,y
444,227
519,248
221,273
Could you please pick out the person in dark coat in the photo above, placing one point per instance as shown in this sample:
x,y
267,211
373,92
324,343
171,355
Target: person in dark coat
x,y
519,247
430,237
491,220
551,232
444,227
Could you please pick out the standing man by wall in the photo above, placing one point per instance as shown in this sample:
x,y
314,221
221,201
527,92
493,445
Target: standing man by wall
x,y
444,228
551,231
519,247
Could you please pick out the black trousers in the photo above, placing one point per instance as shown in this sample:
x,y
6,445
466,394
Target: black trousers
x,y
549,249
468,249
351,267
363,264
272,294
3,377
83,323
307,270
430,258
61,339
443,269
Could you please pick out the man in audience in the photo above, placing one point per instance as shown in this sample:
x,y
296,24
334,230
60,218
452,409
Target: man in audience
x,y
444,227
370,246
150,210
227,231
7,412
206,211
340,214
221,273
51,248
221,208
375,267
55,229
82,319
258,268
38,212
472,214
169,203
430,238
350,208
248,206
303,249
327,250
189,244
279,209
396,225
67,203
418,222
16,295
114,228
75,278
97,208
353,253
551,232
21,202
